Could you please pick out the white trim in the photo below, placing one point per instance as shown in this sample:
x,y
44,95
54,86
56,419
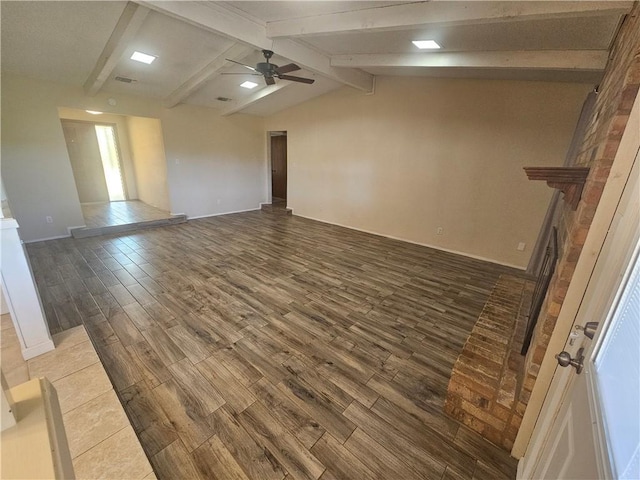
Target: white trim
x,y
595,406
7,223
47,238
632,260
223,213
448,250
44,347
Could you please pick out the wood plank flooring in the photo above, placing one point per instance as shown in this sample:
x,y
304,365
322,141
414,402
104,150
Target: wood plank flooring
x,y
258,346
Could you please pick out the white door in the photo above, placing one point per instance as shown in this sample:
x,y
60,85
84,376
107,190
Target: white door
x,y
595,429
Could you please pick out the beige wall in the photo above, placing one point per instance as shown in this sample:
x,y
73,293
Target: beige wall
x,y
215,164
220,158
147,149
123,140
35,166
426,153
86,161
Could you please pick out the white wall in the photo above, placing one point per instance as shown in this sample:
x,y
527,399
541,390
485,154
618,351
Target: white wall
x,y
215,164
147,150
426,153
221,158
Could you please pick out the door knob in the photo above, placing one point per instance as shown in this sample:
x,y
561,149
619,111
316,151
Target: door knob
x,y
564,360
589,329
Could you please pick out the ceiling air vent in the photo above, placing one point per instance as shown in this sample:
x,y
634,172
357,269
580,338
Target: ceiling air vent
x,y
125,79
223,99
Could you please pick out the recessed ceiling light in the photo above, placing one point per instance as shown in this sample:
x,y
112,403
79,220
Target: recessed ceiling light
x,y
426,44
93,112
249,85
143,57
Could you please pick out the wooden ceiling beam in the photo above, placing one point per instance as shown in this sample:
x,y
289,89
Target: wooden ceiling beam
x,y
236,52
243,103
233,24
570,60
124,32
421,14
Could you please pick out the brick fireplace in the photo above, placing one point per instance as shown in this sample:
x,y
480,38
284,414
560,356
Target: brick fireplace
x,y
490,385
485,390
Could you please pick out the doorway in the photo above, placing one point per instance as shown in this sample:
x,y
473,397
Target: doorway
x,y
596,433
95,161
119,167
278,144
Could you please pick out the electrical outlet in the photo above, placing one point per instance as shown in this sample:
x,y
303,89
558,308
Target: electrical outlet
x,y
49,219
218,201
439,231
177,161
521,246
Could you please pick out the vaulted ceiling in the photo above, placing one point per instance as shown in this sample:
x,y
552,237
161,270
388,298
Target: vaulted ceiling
x,y
89,44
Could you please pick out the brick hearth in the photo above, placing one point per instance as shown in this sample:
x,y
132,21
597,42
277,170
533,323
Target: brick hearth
x,y
485,390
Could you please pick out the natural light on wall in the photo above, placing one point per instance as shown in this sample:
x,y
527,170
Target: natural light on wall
x,y
110,162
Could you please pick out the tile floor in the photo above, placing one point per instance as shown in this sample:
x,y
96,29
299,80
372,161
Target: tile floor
x,y
101,440
120,213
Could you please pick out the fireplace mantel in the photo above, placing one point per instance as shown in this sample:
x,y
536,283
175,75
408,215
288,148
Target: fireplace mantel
x,y
569,180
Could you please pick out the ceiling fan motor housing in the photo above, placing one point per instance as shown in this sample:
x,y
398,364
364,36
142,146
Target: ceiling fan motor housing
x,y
266,68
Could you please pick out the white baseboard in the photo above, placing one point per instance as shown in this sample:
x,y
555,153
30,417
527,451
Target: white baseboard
x,y
223,213
48,238
448,250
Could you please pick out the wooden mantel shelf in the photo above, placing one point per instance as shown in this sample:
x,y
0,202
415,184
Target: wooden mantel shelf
x,y
569,180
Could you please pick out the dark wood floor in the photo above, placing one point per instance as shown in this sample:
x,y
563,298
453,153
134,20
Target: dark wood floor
x,y
264,346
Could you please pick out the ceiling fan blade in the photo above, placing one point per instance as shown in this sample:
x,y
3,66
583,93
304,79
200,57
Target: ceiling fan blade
x,y
245,66
297,79
269,80
290,67
239,73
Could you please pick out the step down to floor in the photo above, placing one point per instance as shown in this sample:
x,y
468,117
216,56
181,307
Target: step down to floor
x,y
85,232
276,209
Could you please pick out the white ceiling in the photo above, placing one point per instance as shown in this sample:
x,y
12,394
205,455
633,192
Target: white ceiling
x,y
88,43
42,39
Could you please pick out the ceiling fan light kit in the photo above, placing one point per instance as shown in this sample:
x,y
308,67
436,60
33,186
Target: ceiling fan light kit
x,y
270,71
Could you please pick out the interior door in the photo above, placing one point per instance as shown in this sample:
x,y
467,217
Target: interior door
x,y
279,167
86,162
596,433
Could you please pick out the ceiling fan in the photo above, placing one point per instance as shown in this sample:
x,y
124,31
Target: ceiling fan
x,y
271,71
